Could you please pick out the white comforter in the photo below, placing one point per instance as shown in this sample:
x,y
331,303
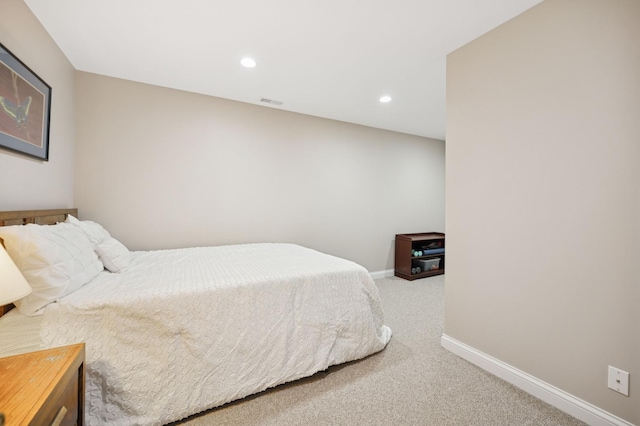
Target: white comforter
x,y
184,330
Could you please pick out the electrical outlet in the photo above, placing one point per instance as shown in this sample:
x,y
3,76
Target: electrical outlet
x,y
618,380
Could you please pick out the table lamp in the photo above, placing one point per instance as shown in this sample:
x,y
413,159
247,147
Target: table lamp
x,y
13,285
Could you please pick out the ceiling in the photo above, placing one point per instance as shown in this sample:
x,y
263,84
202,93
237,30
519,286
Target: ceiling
x,y
326,58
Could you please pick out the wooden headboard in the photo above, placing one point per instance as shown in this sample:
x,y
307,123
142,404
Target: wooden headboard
x,y
40,217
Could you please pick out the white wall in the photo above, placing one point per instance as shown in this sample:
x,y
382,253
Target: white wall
x,y
543,199
27,183
162,168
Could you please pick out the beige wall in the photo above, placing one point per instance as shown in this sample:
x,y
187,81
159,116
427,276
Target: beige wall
x,y
543,173
27,183
162,168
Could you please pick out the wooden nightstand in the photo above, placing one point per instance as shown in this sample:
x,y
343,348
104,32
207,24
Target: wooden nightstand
x,y
44,387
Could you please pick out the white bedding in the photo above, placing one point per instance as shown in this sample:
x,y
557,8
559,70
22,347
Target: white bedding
x,y
19,334
181,331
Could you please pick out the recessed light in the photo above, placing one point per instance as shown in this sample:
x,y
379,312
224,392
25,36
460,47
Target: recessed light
x,y
385,99
248,62
270,101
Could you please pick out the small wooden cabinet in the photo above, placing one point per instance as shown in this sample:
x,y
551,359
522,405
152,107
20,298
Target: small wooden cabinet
x,y
422,250
44,387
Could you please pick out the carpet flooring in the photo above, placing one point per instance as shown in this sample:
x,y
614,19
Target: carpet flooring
x,y
413,381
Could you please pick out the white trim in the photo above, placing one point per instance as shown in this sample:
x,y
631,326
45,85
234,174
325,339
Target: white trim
x,y
560,399
382,274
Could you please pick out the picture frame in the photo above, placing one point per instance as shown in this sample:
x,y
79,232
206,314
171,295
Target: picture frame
x,y
25,108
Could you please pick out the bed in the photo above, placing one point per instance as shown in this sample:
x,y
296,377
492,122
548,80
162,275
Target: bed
x,y
171,333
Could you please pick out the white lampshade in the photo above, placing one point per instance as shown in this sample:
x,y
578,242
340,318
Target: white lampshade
x,y
13,286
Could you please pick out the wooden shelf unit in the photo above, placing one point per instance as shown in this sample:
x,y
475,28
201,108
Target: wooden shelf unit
x,y
405,261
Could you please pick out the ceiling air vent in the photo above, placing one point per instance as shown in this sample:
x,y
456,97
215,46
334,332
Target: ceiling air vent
x,y
270,101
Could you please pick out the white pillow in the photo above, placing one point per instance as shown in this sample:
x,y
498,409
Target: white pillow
x,y
94,231
55,260
114,255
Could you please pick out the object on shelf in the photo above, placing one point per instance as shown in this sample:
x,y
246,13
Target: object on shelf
x,y
432,251
429,264
432,245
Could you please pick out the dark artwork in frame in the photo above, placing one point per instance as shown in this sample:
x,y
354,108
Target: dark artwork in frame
x,y
25,108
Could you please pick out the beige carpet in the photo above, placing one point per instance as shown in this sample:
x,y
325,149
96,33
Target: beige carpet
x,y
414,381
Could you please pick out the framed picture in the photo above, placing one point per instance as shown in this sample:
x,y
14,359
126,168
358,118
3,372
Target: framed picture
x,y
25,104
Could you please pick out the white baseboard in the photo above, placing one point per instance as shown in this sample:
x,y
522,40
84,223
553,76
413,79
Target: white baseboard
x,y
560,399
382,274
